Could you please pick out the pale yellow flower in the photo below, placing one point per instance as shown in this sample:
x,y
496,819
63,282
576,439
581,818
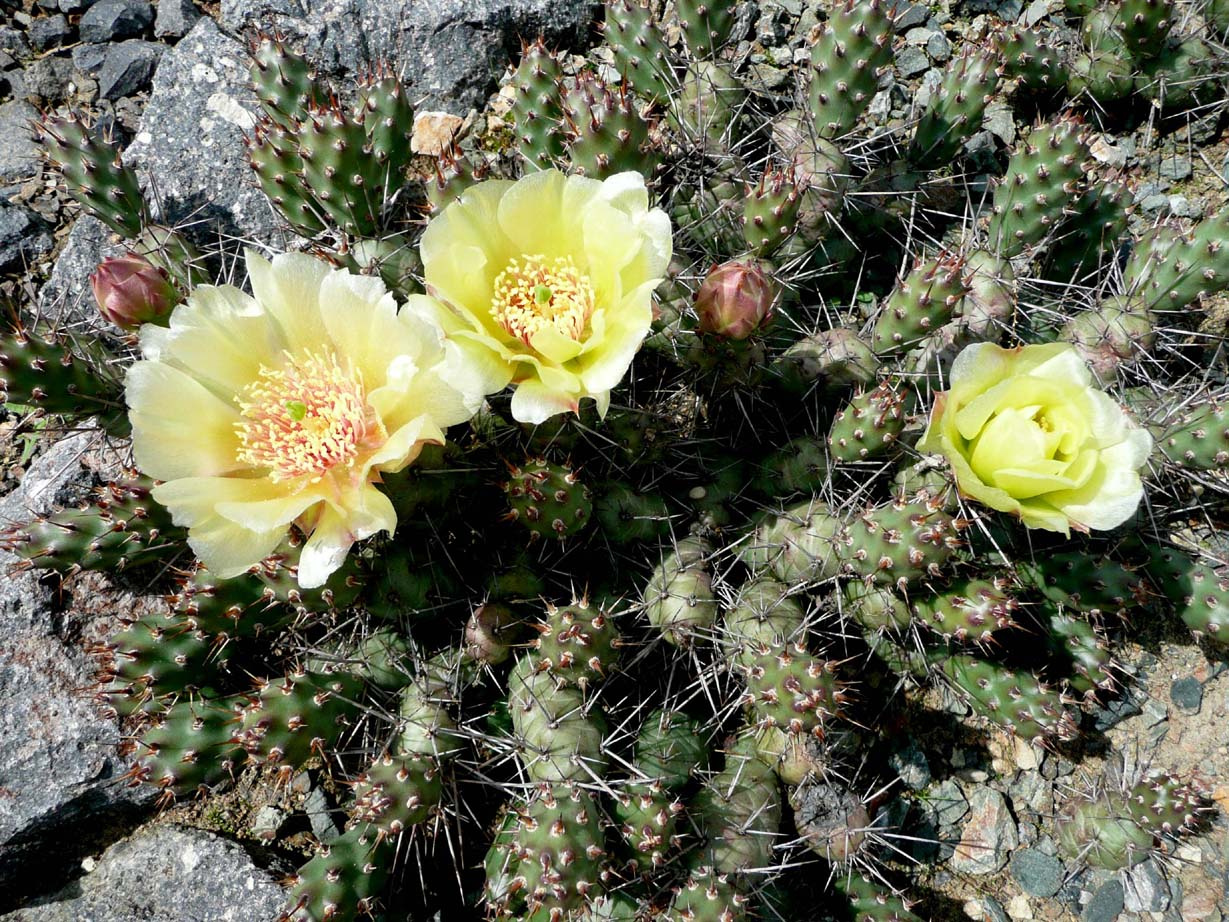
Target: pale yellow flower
x,y
286,407
549,279
1026,432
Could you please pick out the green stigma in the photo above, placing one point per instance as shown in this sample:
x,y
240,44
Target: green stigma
x,y
296,410
542,295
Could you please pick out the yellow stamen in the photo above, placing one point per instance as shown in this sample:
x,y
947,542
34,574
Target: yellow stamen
x,y
534,293
305,418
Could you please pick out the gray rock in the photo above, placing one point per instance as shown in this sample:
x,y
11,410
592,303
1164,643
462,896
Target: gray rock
x,y
988,836
47,79
906,15
1187,694
166,874
1129,703
450,52
60,790
938,47
75,6
1153,204
19,156
320,815
14,42
1145,888
910,764
1007,10
89,58
189,146
1175,168
174,18
128,67
1037,874
49,32
22,239
992,910
66,295
1000,121
112,20
949,802
1105,904
1037,11
911,61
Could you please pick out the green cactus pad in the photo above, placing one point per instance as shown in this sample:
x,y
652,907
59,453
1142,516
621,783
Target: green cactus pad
x,y
1114,829
640,51
764,616
1199,439
551,854
576,644
547,499
1014,700
191,747
289,720
956,107
925,299
972,610
1197,591
123,527
535,113
47,372
95,176
870,424
678,599
901,541
396,792
853,45
789,689
560,739
343,881
1040,187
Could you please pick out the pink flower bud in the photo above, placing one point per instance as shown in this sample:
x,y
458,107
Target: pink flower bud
x,y
735,300
130,291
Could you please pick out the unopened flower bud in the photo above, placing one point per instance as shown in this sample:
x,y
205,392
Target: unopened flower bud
x,y
131,291
735,300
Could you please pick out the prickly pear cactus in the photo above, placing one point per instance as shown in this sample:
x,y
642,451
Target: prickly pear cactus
x,y
860,404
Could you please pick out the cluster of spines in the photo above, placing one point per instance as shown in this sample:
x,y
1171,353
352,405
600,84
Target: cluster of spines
x,y
1117,828
318,161
547,499
1043,179
46,371
856,42
122,527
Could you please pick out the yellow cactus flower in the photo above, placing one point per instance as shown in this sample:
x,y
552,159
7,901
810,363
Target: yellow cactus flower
x,y
287,407
1026,432
550,279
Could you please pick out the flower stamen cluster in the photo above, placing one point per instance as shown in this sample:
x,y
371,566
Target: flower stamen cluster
x,y
305,419
534,293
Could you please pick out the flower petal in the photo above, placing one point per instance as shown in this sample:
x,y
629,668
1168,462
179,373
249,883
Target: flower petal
x,y
288,290
365,513
225,547
179,428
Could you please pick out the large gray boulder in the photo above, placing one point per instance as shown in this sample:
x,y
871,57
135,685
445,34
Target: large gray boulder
x,y
189,148
449,52
165,874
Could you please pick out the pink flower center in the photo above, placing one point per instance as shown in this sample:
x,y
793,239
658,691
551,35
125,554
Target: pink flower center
x,y
305,418
535,293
